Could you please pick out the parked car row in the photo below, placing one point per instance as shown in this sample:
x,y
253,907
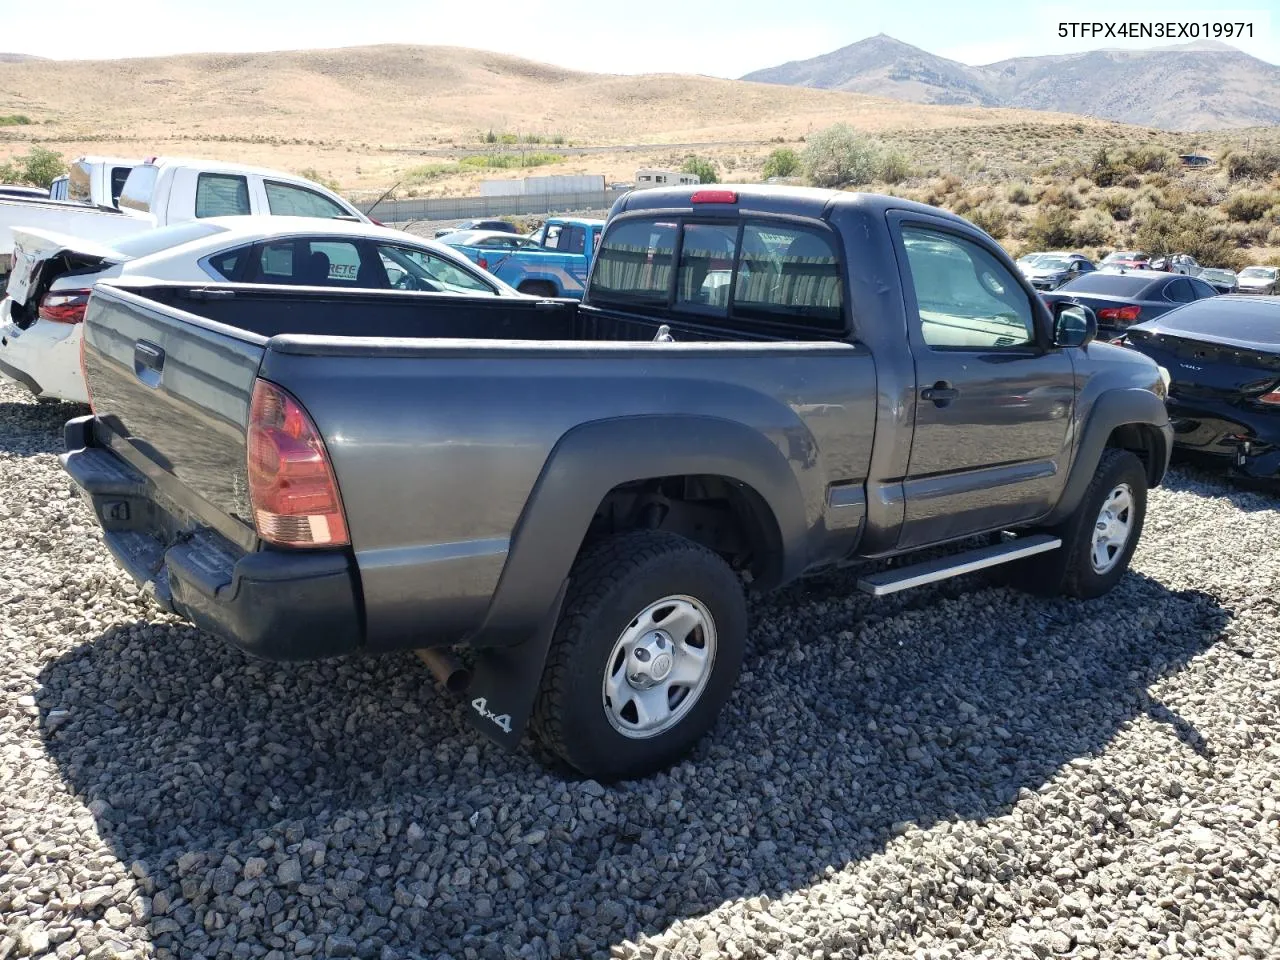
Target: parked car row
x,y
162,191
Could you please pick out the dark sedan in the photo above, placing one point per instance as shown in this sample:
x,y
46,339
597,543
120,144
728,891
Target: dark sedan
x,y
1223,358
1122,299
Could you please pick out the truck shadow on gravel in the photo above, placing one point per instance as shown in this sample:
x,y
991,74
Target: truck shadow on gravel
x,y
385,825
28,428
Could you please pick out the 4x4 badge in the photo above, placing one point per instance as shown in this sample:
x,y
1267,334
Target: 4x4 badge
x,y
481,706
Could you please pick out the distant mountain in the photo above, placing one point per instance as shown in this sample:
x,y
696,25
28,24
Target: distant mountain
x,y
18,57
1203,85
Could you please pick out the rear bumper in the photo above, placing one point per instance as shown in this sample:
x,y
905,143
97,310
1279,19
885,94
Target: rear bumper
x,y
280,605
45,357
1247,441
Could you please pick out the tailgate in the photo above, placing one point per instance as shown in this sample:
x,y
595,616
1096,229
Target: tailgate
x,y
171,394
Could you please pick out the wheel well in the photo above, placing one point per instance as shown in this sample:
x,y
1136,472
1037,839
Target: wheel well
x,y
538,287
720,513
1145,442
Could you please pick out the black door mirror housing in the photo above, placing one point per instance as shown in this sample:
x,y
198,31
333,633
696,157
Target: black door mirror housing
x,y
1074,325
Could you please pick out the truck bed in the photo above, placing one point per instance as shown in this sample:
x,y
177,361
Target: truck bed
x,y
440,414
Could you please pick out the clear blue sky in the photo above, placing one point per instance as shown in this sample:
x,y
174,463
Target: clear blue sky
x,y
717,37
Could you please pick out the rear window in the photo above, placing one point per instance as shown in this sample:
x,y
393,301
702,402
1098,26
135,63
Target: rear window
x,y
118,177
772,273
1111,284
634,264
153,241
138,188
221,195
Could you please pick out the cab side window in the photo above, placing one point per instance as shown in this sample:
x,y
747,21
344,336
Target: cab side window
x,y
965,298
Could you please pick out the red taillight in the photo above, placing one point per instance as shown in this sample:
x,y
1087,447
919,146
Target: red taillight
x,y
376,223
484,264
714,196
292,489
1127,314
1119,342
1271,398
65,306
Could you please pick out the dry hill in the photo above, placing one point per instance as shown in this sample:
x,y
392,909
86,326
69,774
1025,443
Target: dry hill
x,y
362,114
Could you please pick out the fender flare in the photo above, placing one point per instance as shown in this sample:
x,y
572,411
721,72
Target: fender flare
x,y
592,459
1115,408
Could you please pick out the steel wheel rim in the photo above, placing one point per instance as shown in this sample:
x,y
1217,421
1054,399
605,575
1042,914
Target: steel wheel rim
x,y
1112,529
659,667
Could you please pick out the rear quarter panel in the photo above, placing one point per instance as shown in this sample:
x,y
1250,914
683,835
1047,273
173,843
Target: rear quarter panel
x,y
436,451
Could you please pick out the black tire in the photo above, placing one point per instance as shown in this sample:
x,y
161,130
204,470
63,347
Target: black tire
x,y
1069,570
611,584
538,288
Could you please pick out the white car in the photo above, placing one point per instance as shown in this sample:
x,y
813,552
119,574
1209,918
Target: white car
x,y
53,276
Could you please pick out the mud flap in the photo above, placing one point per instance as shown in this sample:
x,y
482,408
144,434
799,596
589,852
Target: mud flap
x,y
506,680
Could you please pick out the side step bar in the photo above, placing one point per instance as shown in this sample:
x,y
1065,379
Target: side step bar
x,y
918,574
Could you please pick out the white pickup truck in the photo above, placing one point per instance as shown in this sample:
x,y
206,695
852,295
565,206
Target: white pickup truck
x,y
161,191
96,181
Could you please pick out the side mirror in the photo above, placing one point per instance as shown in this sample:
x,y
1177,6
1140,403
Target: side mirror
x,y
1074,325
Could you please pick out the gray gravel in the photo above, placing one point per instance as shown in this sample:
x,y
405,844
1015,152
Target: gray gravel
x,y
960,772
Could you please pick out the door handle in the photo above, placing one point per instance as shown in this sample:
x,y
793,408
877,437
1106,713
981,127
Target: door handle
x,y
148,362
941,393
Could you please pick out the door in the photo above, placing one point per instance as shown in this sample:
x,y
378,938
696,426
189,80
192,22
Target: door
x,y
993,398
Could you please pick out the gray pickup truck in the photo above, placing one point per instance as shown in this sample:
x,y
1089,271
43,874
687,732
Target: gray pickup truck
x,y
760,382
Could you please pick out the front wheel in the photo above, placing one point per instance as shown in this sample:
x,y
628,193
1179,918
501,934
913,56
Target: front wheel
x,y
1098,538
646,653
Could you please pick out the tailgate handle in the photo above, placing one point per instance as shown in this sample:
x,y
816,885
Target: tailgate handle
x,y
148,361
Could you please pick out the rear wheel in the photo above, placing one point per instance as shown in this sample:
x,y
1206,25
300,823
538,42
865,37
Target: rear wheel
x,y
1098,539
646,653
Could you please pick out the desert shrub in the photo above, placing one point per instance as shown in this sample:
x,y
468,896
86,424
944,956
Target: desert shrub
x,y
1056,195
1051,230
1019,194
894,166
1131,180
783,162
506,161
1148,158
14,120
704,168
1083,186
1256,164
839,156
1249,205
430,171
1092,227
40,168
1192,231
991,218
1273,237
1117,204
315,176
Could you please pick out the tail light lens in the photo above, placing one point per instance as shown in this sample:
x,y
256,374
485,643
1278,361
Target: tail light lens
x,y
1127,314
292,489
1119,341
376,223
484,264
1271,398
714,196
65,306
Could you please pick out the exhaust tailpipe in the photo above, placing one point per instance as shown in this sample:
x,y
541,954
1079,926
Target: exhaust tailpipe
x,y
446,668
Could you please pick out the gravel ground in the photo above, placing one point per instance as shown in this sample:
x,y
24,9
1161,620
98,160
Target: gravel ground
x,y
961,772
